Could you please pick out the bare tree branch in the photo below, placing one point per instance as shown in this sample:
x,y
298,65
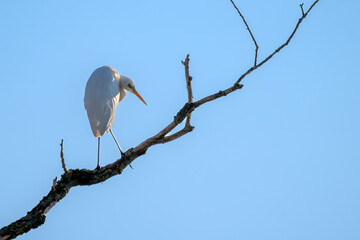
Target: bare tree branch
x,y
248,28
188,78
80,177
62,155
187,128
302,9
279,48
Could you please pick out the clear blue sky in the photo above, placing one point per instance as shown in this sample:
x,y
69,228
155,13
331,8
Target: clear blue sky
x,y
277,160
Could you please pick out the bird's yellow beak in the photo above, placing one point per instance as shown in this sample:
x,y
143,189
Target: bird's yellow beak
x,y
138,95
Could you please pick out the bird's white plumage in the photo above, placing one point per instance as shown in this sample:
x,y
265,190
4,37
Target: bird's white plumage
x,y
102,95
104,90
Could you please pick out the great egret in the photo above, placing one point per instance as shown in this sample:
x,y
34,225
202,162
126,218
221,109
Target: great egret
x,y
104,90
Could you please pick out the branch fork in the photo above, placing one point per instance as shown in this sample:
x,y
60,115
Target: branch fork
x,y
302,9
187,128
248,29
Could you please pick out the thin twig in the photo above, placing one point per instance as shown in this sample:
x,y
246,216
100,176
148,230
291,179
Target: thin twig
x,y
187,128
248,28
62,156
188,80
54,183
302,10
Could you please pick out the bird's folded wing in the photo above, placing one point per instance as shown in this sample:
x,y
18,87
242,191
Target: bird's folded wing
x,y
101,98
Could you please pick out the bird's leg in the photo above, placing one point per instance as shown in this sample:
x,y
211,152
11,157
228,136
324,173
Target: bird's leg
x,y
122,153
98,163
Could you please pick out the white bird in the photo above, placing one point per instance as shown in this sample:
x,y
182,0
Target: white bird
x,y
104,90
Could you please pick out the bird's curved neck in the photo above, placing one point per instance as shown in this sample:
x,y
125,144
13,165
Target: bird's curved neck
x,y
123,81
122,84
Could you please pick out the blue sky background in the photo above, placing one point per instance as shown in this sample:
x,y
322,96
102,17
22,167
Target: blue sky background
x,y
276,160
